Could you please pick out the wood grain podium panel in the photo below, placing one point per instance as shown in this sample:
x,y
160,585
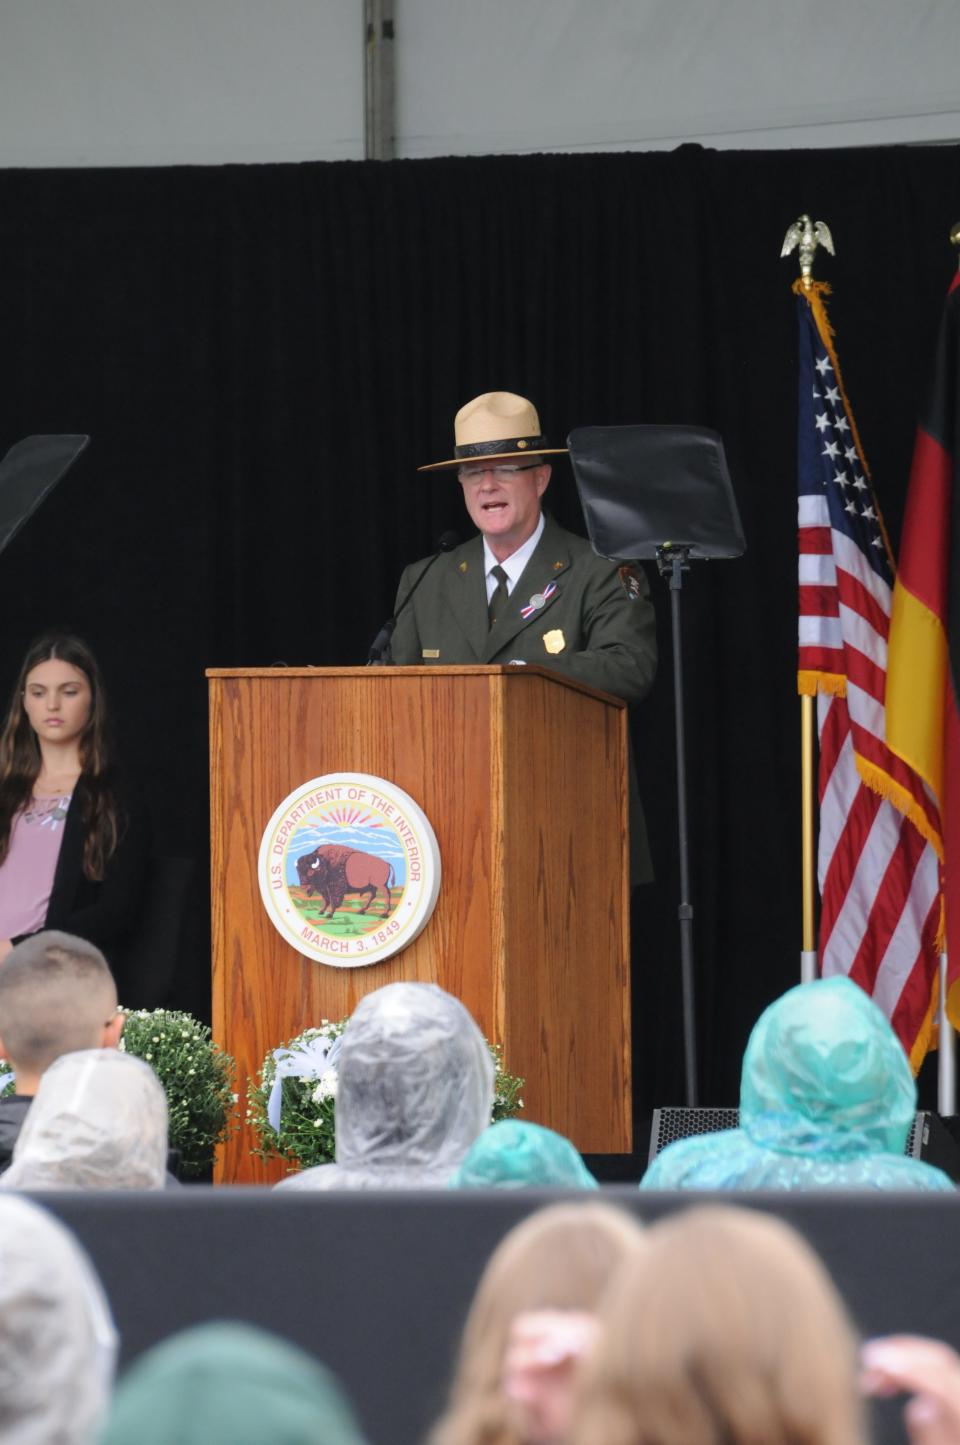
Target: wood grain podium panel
x,y
566,905
523,779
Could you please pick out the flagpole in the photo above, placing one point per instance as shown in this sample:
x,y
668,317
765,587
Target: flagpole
x,y
805,236
946,1037
946,1050
808,956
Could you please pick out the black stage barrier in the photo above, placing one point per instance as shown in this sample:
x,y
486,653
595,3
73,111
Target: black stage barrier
x,y
378,1286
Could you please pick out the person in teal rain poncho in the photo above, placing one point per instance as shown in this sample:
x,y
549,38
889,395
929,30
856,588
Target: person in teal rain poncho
x,y
826,1102
515,1155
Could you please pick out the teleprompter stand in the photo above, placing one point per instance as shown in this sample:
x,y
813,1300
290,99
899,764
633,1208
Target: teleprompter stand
x,y
662,493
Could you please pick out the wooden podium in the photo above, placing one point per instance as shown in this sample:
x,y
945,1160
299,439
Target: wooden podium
x,y
523,776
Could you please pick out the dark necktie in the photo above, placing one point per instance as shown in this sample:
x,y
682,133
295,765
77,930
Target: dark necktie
x,y
498,602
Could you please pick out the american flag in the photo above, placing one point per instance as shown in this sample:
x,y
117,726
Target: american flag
x,y
878,874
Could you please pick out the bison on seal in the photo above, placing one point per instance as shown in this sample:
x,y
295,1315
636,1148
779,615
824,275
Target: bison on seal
x,y
333,871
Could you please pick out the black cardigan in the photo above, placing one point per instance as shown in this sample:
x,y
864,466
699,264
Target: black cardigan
x,y
103,913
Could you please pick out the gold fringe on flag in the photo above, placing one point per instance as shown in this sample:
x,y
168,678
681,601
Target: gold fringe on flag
x,y
904,801
810,683
928,1032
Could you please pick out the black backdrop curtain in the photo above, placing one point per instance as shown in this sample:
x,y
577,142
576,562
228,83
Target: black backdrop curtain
x,y
263,355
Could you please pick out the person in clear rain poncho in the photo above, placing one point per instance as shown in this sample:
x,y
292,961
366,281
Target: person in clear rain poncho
x,y
99,1121
826,1102
58,1345
414,1089
515,1155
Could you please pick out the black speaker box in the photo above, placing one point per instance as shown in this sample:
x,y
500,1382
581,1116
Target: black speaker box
x,y
929,1138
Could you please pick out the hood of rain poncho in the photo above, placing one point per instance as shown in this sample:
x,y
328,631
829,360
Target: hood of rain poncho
x,y
826,1102
58,1345
415,1088
824,1075
229,1382
99,1121
512,1154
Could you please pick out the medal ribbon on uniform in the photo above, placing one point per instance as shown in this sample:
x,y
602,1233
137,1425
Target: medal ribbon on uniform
x,y
538,600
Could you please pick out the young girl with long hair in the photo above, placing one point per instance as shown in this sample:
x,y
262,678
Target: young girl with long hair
x,y
73,843
556,1263
726,1330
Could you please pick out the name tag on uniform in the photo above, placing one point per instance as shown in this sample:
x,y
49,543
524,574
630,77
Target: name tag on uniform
x,y
430,652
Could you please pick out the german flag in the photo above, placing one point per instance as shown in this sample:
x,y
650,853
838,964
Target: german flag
x,y
923,670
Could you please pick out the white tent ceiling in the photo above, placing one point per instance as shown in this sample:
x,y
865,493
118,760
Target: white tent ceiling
x,y
130,82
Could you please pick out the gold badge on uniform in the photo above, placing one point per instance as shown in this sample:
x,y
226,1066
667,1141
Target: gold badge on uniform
x,y
554,641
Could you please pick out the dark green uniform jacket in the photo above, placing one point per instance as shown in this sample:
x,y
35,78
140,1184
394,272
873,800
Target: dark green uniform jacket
x,y
593,626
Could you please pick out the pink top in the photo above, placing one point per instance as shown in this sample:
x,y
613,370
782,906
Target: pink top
x,y
26,875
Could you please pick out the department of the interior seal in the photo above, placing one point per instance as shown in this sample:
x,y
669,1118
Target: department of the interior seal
x,y
349,869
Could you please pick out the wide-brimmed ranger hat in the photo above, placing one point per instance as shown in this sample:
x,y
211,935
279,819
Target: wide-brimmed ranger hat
x,y
494,426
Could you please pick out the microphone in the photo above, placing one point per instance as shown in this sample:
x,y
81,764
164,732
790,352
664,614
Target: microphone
x,y
380,646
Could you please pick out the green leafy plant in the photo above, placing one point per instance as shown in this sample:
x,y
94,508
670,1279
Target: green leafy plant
x,y
197,1076
507,1088
307,1100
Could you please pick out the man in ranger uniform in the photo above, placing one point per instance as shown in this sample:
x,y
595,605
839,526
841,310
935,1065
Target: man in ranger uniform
x,y
525,590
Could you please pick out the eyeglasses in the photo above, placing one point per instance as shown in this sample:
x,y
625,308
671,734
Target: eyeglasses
x,y
502,474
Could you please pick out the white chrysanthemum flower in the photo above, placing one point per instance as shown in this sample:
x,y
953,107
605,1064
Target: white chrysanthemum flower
x,y
327,1087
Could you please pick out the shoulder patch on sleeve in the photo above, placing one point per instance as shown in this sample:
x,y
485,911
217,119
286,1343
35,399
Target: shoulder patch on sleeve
x,y
630,580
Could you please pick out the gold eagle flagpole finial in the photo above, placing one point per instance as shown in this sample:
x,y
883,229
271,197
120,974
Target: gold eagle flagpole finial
x,y
808,235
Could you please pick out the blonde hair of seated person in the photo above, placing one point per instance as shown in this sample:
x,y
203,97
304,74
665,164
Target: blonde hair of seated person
x,y
726,1330
560,1258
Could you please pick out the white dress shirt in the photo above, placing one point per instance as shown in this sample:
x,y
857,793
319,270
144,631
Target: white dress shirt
x,y
514,564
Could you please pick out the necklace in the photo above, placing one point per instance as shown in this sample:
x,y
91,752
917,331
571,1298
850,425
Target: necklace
x,y
47,812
